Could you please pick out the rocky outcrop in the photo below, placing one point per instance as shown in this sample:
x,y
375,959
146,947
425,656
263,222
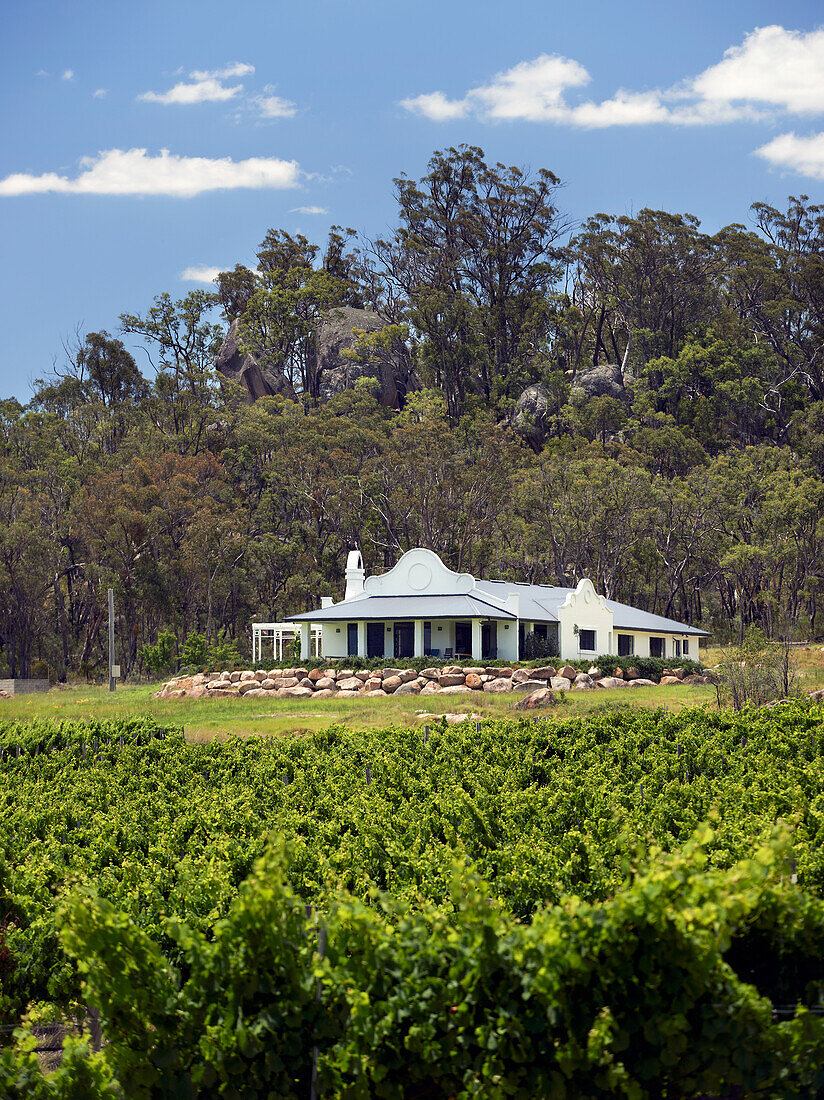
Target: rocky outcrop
x,y
603,381
529,418
256,380
392,366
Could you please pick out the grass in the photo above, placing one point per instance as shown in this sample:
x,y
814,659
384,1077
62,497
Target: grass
x,y
204,719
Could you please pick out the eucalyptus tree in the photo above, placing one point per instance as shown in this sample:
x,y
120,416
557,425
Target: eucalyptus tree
x,y
181,341
475,259
651,279
775,280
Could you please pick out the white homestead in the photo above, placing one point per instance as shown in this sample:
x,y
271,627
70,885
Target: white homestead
x,y
421,608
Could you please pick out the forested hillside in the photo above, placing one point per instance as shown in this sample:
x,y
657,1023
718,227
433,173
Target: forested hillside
x,y
629,399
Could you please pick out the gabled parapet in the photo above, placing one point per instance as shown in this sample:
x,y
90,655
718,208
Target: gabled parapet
x,y
420,572
584,610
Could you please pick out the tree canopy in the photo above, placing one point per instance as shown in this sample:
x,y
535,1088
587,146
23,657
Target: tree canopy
x,y
691,485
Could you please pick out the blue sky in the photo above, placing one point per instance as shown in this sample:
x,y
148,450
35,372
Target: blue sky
x,y
299,115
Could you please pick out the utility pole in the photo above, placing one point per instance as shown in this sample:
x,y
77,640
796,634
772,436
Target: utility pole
x,y
111,640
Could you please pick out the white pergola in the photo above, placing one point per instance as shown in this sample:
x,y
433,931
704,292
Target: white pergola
x,y
279,634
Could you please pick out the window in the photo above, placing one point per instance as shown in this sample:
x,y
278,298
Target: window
x,y
685,647
586,640
626,645
656,647
677,647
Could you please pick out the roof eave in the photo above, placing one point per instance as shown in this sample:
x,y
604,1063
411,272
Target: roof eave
x,y
663,630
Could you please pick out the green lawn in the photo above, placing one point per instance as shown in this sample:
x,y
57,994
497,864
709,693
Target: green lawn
x,y
207,718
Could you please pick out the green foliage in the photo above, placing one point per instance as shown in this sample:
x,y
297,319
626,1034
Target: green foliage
x,y
537,649
222,654
697,495
490,1007
194,652
649,668
161,828
82,1075
243,1006
464,1001
160,657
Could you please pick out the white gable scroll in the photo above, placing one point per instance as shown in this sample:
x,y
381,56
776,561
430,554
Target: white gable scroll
x,y
420,572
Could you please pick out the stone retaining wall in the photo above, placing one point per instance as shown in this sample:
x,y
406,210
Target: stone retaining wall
x,y
341,683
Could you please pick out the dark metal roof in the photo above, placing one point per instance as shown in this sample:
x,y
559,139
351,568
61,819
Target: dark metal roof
x,y
405,607
540,602
625,617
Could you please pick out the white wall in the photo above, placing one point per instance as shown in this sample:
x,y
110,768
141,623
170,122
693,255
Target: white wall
x,y
334,644
587,610
417,572
507,641
641,646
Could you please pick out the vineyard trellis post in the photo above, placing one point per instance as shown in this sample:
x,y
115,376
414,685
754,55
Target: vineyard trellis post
x,y
313,1083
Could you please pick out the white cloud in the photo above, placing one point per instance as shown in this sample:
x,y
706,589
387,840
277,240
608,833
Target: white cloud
x,y
274,106
774,66
200,273
798,154
624,109
136,172
200,91
774,70
308,210
68,74
237,68
532,90
436,106
100,93
204,86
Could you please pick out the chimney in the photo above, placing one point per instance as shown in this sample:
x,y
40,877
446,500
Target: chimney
x,y
355,575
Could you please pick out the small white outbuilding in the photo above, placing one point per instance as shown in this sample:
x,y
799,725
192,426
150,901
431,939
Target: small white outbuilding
x,y
421,608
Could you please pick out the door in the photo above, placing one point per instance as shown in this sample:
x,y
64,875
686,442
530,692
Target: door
x,y
404,639
489,641
463,638
374,639
352,639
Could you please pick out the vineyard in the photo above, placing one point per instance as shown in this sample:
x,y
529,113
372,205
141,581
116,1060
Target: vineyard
x,y
623,904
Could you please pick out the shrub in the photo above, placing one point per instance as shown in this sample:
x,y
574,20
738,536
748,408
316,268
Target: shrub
x,y
650,668
194,651
755,673
224,654
535,648
159,658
